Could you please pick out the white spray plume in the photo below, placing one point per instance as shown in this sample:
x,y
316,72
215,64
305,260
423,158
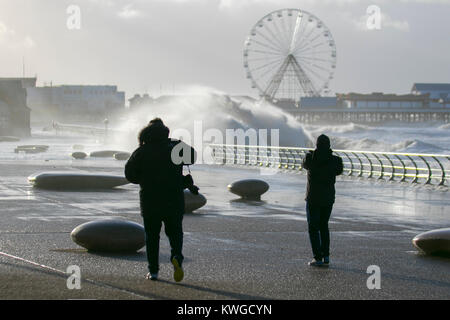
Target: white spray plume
x,y
215,110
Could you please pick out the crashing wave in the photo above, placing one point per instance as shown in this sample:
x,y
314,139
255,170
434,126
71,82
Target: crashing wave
x,y
214,110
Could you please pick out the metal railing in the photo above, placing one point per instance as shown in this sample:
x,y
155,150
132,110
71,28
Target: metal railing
x,y
402,167
82,130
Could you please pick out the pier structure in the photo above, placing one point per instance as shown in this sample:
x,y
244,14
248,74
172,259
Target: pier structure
x,y
426,102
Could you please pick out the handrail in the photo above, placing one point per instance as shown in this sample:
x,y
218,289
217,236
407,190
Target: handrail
x,y
400,167
336,150
81,129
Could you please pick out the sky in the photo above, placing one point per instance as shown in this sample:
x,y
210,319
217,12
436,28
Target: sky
x,y
164,46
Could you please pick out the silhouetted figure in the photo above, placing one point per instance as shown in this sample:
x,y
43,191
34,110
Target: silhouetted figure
x,y
323,167
157,166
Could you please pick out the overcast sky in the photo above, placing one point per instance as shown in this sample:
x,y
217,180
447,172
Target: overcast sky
x,y
143,45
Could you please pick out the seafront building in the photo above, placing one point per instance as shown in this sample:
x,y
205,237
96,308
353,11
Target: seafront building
x,y
14,112
137,100
426,102
74,102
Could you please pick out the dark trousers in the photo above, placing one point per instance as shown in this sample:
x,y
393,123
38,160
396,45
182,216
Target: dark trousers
x,y
319,235
173,227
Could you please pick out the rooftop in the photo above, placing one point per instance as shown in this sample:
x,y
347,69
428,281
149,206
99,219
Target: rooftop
x,y
379,96
431,87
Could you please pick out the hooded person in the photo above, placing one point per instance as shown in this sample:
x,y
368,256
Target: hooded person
x,y
157,166
322,167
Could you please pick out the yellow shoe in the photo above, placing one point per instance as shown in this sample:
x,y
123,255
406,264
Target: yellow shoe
x,y
178,273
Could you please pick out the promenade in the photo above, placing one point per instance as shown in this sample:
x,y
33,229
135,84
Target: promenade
x,y
233,249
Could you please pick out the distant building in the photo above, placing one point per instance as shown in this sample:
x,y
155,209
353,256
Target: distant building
x,y
14,112
436,90
137,100
381,101
373,107
75,102
439,93
308,103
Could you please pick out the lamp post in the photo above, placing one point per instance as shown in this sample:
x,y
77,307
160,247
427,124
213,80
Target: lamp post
x,y
106,122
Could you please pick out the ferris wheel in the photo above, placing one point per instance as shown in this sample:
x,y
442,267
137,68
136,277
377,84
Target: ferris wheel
x,y
289,54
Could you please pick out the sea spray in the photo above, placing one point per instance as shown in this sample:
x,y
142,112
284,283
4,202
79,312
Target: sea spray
x,y
216,111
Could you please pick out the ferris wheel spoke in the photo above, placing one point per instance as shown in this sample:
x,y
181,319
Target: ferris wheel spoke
x,y
309,65
263,75
306,37
267,72
282,36
290,29
311,51
315,38
283,26
303,26
277,79
318,52
311,38
308,48
292,26
304,80
264,52
315,66
316,59
267,46
265,58
318,87
266,38
298,22
270,31
265,65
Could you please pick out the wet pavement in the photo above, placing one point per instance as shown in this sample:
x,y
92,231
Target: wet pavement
x,y
234,249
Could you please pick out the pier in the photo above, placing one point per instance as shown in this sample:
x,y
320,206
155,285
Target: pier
x,y
371,116
377,107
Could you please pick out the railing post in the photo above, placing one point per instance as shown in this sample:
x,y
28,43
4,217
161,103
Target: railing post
x,y
429,170
360,164
392,167
298,160
404,168
302,156
283,159
381,166
351,164
417,170
370,164
442,182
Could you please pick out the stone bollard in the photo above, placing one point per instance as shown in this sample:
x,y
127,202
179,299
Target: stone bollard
x,y
122,155
250,189
75,181
79,155
193,202
109,235
433,242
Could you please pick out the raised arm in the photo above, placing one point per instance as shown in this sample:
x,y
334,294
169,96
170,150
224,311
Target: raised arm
x,y
306,164
339,166
133,165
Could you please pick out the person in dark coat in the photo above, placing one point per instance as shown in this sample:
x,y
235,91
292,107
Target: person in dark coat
x,y
157,166
323,167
